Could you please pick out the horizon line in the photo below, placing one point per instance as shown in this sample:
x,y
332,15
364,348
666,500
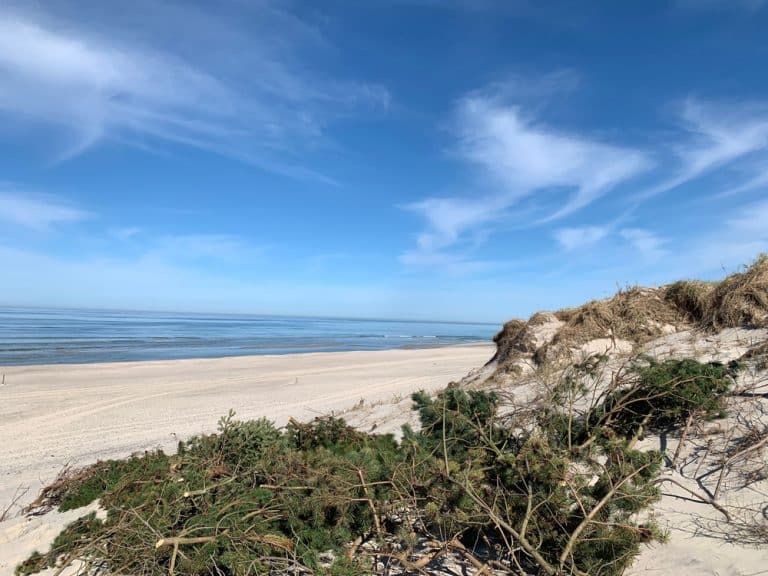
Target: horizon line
x,y
246,314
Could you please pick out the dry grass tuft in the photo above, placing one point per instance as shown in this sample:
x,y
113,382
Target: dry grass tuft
x,y
513,338
692,297
741,299
637,315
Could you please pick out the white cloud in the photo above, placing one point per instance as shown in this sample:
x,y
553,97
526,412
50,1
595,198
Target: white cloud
x,y
578,238
648,244
191,247
750,221
742,235
125,233
42,212
532,166
36,211
526,157
760,180
449,218
521,158
451,264
95,87
715,136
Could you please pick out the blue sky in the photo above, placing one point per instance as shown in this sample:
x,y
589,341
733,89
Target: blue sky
x,y
434,159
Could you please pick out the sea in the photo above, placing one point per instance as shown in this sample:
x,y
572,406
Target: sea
x,y
31,336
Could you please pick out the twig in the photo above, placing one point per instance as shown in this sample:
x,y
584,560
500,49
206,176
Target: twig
x,y
445,446
681,442
527,546
702,498
183,541
18,495
480,566
416,564
727,464
278,487
599,506
353,547
203,491
376,522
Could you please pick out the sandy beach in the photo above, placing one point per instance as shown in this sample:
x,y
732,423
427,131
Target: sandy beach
x,y
55,415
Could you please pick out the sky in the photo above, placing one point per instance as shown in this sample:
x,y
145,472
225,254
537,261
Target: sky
x,y
427,159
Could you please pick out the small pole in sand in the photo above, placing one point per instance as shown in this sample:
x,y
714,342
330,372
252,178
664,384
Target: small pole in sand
x,y
3,379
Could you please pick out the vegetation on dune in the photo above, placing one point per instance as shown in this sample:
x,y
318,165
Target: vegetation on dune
x,y
692,297
635,314
661,395
552,489
513,338
742,299
639,315
236,502
739,300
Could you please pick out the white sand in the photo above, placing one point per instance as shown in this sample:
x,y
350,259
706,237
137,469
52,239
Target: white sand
x,y
75,414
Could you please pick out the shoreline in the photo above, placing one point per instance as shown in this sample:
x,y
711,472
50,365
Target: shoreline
x,y
8,368
58,414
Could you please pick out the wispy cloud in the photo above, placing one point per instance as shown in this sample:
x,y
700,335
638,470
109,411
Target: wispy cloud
x,y
448,219
751,220
533,166
193,247
525,156
40,213
452,264
36,211
714,136
125,233
519,157
739,238
577,238
756,182
645,242
57,72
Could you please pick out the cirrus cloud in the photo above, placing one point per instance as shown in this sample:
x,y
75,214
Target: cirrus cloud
x,y
520,158
95,87
36,211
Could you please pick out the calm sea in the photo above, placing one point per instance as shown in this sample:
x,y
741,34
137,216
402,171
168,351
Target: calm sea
x,y
58,336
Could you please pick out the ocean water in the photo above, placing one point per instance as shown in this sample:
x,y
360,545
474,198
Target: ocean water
x,y
65,336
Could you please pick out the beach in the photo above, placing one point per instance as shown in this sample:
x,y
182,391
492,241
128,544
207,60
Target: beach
x,y
57,415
